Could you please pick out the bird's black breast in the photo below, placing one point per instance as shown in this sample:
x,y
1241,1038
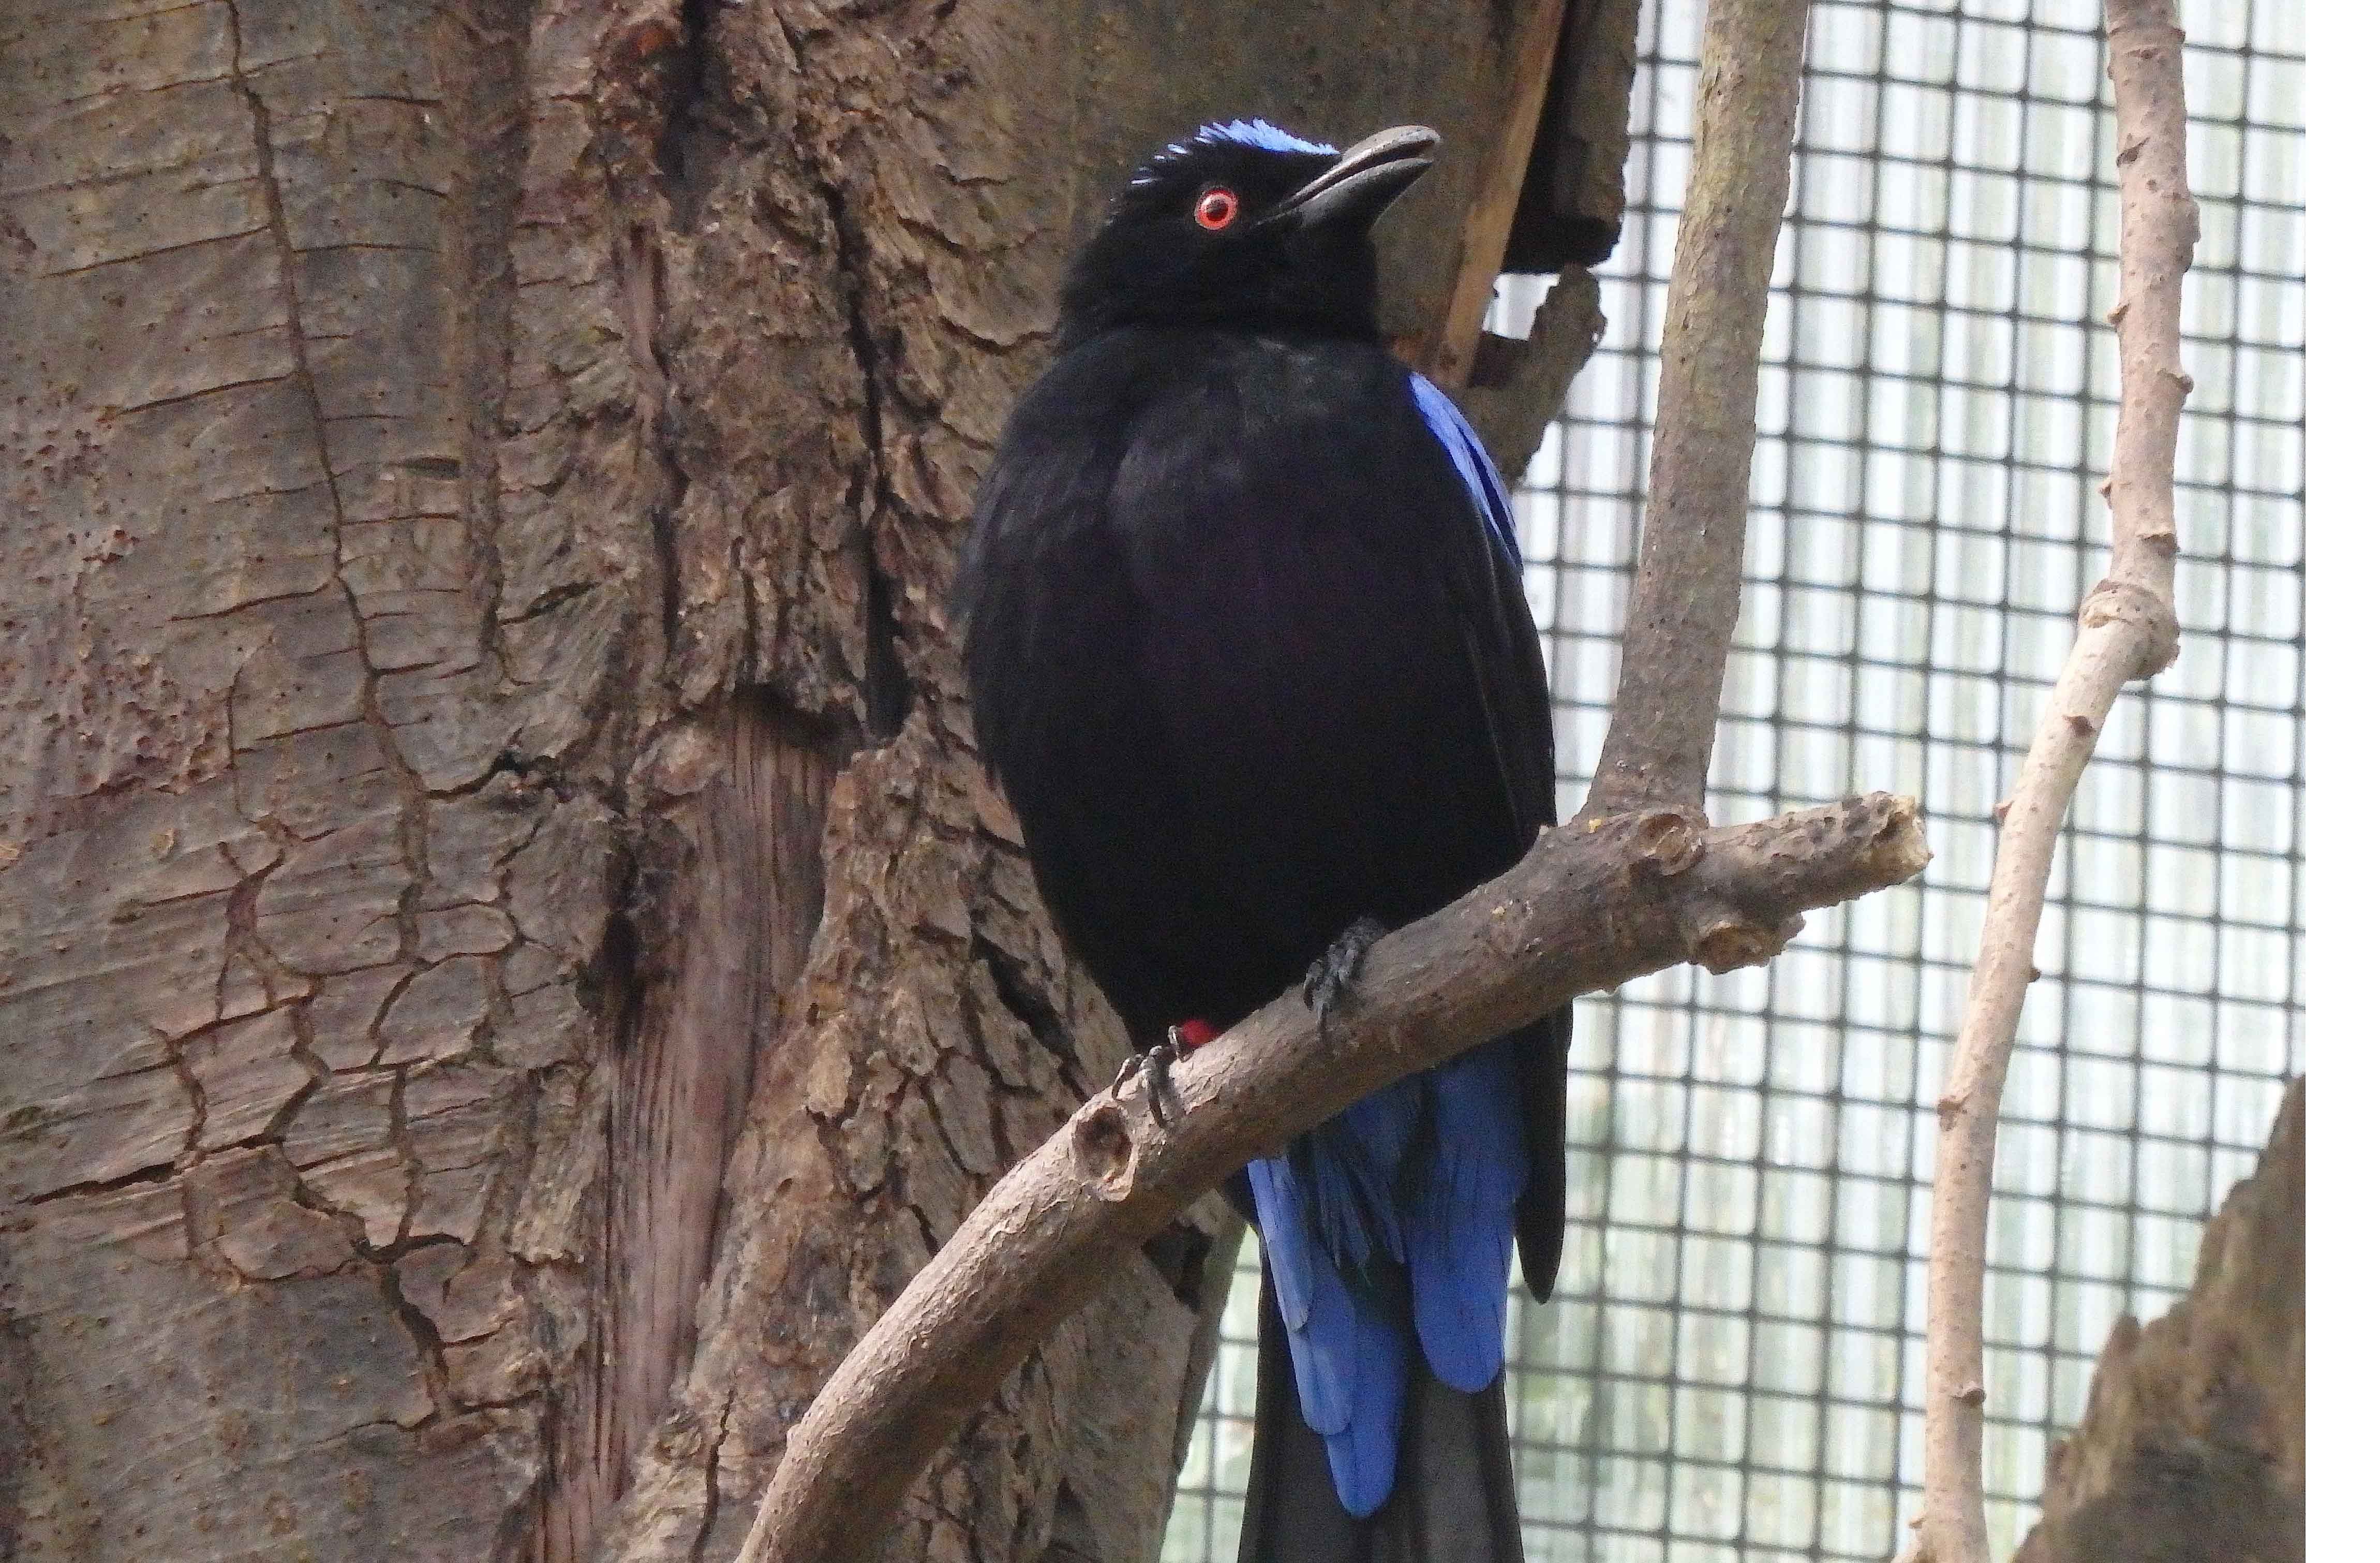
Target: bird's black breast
x,y
1246,660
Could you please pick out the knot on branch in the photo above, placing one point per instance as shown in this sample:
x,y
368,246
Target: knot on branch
x,y
2113,602
1720,938
1668,843
1104,1151
1721,886
2142,31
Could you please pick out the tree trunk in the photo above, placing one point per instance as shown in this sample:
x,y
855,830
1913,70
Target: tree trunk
x,y
510,960
2193,1448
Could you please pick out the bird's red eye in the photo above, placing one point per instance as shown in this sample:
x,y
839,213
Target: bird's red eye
x,y
1215,209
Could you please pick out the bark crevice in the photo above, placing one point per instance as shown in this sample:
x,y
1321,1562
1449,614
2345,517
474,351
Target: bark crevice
x,y
506,462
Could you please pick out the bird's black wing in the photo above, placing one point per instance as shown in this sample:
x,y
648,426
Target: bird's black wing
x,y
1061,711
1312,569
1490,600
1352,693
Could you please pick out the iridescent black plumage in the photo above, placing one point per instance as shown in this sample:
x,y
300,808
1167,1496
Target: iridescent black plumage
x,y
1249,653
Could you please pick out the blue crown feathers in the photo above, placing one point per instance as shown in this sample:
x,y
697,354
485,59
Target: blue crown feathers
x,y
1261,134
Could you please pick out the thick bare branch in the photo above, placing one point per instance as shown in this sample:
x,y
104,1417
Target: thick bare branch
x,y
1596,903
2127,632
1682,613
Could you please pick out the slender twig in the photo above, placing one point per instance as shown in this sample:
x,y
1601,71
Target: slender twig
x,y
1681,611
1595,903
2127,632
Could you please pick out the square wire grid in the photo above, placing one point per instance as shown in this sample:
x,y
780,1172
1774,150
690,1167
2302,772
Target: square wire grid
x,y
1732,1365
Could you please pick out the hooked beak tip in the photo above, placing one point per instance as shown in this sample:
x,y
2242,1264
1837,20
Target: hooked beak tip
x,y
1367,178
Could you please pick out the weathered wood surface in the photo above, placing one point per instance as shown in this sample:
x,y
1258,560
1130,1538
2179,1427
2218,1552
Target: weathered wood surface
x,y
478,728
2193,1448
1574,195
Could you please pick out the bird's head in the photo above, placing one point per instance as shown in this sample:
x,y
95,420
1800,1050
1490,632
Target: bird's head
x,y
1244,223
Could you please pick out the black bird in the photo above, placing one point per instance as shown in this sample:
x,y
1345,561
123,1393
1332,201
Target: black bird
x,y
1249,653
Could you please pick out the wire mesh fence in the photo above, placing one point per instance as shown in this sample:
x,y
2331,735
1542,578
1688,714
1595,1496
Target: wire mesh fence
x,y
1732,1365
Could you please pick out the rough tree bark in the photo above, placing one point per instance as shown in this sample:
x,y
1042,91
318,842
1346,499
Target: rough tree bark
x,y
2193,1449
480,731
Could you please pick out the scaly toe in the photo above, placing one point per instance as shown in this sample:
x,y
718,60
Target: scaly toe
x,y
1156,1065
1331,978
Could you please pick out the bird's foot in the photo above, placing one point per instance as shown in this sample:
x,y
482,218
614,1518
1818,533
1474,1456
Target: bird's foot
x,y
1333,976
1157,1063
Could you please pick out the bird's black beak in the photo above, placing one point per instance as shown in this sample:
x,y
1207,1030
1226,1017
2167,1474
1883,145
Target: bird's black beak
x,y
1358,188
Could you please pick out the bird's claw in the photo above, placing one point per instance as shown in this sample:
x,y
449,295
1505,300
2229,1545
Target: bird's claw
x,y
1333,976
1158,1061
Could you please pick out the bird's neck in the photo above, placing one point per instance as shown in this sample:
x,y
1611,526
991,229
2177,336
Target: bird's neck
x,y
1074,330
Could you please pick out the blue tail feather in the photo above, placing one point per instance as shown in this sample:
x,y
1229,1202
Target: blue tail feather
x,y
1356,1347
1354,1160
1460,1232
1274,1183
1424,1173
1349,1354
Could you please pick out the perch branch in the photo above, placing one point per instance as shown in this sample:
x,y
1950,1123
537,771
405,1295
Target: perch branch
x,y
1592,904
1681,611
2127,632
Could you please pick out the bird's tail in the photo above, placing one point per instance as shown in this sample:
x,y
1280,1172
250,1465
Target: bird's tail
x,y
1453,1501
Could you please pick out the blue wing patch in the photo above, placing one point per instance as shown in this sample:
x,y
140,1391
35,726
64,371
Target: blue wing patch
x,y
1471,461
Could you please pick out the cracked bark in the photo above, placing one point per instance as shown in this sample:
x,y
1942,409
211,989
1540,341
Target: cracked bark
x,y
480,731
2192,1447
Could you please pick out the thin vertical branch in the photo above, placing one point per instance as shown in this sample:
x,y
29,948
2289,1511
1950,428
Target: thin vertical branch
x,y
1688,576
2127,632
